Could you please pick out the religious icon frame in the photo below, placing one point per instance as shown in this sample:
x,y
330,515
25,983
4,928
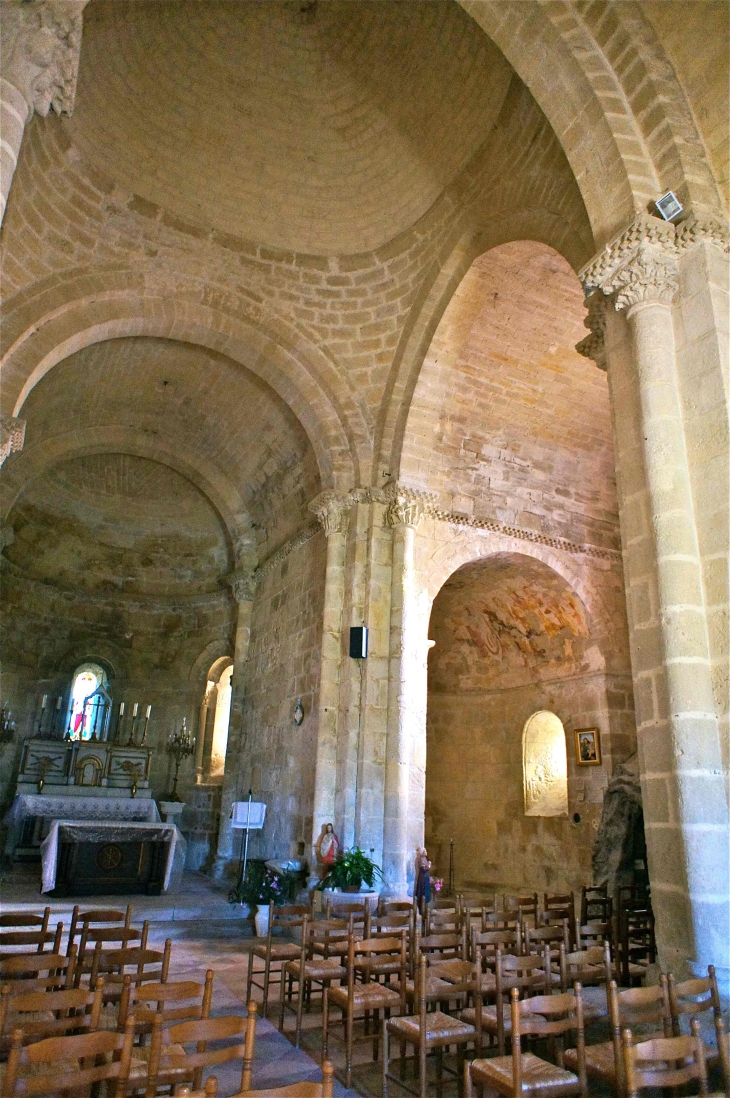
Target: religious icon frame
x,y
583,749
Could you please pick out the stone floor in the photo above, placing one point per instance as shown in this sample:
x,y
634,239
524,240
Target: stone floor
x,y
208,932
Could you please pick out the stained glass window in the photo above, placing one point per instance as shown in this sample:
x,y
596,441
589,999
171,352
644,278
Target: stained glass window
x,y
88,678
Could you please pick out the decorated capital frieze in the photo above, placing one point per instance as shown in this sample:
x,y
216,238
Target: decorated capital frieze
x,y
407,506
41,45
332,510
243,585
12,436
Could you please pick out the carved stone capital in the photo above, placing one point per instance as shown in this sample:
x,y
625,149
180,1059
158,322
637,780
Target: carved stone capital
x,y
407,506
41,44
12,436
638,265
594,346
708,230
333,511
243,585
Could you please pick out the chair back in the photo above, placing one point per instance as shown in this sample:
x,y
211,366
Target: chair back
x,y
508,941
72,1009
39,1068
558,905
202,1033
23,920
441,947
552,936
664,1062
593,934
637,1007
147,964
551,1017
327,936
585,965
180,1001
520,908
394,947
723,1049
109,937
96,917
693,997
16,941
391,907
26,972
595,904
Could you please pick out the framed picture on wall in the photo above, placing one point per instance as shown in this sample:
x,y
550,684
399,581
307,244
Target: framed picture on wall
x,y
587,746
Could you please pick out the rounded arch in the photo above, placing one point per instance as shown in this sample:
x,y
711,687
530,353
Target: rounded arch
x,y
224,497
214,655
107,655
599,118
42,331
525,224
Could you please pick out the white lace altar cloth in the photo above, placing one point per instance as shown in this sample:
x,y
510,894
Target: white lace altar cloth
x,y
26,805
106,831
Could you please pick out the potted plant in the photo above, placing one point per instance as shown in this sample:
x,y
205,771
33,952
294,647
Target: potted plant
x,y
259,888
351,870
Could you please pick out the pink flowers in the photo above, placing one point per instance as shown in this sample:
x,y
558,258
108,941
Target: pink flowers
x,y
437,883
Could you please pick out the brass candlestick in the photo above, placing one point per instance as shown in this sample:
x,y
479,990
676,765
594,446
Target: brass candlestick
x,y
180,746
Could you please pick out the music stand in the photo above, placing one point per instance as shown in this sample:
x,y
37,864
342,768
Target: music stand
x,y
248,816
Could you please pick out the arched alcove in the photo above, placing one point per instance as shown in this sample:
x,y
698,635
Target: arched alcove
x,y
513,669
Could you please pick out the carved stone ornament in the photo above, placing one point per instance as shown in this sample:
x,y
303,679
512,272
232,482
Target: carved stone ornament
x,y
640,264
12,436
594,346
407,506
333,510
41,44
243,586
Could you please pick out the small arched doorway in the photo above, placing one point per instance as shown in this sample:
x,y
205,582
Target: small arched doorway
x,y
215,716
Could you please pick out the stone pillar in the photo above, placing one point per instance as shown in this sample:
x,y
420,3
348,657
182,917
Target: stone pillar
x,y
333,511
243,587
202,725
685,805
406,697
39,61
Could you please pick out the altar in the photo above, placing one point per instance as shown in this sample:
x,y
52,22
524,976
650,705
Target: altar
x,y
31,814
96,858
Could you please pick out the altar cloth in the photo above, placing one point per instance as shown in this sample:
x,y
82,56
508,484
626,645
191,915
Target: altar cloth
x,y
110,831
28,805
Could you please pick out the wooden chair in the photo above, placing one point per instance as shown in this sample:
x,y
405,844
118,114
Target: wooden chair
x,y
392,907
274,954
665,1062
521,909
329,937
360,913
645,1007
692,997
559,906
723,1049
209,1090
72,1064
17,941
553,937
593,934
591,968
180,1001
43,1014
147,965
595,904
529,976
22,973
169,1063
22,921
548,1016
325,1089
108,938
636,945
362,1000
425,1030
308,969
96,918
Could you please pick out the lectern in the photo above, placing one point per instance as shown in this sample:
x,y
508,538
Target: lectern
x,y
247,816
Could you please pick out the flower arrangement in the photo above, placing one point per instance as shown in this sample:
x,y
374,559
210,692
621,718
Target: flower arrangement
x,y
350,871
437,883
262,885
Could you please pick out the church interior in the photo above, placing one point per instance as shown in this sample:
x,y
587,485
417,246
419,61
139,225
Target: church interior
x,y
364,547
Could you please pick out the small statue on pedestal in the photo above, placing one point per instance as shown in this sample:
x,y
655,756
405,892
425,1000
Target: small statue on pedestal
x,y
328,847
422,884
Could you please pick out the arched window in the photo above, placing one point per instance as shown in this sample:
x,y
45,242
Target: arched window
x,y
84,718
545,766
220,724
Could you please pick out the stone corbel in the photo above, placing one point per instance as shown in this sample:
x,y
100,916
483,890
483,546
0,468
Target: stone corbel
x,y
243,585
12,436
407,506
332,510
594,346
41,45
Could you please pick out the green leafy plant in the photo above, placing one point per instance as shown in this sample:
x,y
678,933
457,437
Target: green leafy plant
x,y
352,869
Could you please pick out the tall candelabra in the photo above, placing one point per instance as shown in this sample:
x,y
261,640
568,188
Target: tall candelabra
x,y
7,725
180,745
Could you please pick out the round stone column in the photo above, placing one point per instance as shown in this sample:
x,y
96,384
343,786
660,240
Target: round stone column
x,y
685,805
333,512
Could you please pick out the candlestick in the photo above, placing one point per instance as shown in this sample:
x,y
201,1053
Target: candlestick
x,y
121,709
136,707
58,702
44,702
179,745
149,710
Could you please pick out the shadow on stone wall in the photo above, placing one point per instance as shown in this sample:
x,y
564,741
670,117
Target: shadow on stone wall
x,y
620,839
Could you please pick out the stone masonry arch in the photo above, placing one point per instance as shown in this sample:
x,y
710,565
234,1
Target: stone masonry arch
x,y
42,331
594,90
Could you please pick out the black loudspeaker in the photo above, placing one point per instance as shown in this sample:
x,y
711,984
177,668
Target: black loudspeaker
x,y
359,642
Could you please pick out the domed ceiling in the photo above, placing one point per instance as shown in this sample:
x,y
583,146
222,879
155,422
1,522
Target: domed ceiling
x,y
118,524
323,127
